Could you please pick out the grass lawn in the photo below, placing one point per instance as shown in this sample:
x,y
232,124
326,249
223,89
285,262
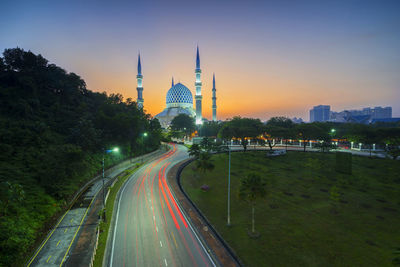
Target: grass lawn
x,y
296,221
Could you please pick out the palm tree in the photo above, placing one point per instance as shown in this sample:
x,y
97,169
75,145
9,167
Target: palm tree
x,y
204,163
194,151
253,188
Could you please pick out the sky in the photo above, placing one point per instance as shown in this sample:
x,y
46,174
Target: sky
x,y
270,58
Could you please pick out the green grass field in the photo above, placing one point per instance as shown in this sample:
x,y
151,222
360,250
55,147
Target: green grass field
x,y
297,223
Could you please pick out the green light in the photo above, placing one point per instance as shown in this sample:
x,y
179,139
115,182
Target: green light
x,y
333,130
115,149
145,134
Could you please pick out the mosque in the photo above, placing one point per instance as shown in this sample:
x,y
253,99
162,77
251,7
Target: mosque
x,y
179,99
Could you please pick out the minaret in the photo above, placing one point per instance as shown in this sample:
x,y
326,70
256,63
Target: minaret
x,y
139,88
172,85
214,101
198,97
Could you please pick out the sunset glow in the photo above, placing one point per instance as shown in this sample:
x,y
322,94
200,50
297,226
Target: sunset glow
x,y
269,59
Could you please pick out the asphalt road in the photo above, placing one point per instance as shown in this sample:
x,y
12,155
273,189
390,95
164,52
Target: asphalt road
x,y
55,249
150,229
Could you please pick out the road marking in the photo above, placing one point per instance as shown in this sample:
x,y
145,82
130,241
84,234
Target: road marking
x,y
157,229
71,220
80,224
160,243
44,243
116,220
154,218
166,264
174,239
48,259
65,230
58,243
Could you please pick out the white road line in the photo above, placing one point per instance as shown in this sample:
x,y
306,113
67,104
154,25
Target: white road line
x,y
160,243
116,220
166,264
157,229
154,217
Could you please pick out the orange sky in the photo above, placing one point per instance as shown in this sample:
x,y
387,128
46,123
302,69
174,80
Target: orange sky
x,y
271,58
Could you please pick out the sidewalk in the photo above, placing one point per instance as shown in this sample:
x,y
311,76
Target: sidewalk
x,y
82,251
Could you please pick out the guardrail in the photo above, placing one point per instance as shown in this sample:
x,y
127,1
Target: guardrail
x,y
209,225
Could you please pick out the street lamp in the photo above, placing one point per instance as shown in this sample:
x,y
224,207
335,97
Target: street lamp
x,y
229,186
332,135
115,149
143,136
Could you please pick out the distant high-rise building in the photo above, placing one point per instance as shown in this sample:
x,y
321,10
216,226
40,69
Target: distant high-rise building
x,y
381,113
320,113
365,115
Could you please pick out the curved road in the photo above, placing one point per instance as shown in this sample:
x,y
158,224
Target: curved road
x,y
150,229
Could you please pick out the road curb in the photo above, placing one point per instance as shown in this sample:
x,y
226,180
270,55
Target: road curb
x,y
230,251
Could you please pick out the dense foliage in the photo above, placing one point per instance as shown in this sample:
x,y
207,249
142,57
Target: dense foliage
x,y
182,125
53,132
386,136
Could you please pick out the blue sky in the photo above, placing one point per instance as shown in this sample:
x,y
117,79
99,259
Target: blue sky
x,y
270,57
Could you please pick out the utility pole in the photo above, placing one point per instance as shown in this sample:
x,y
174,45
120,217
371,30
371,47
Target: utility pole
x,y
229,186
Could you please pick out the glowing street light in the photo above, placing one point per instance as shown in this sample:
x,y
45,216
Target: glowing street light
x,y
115,149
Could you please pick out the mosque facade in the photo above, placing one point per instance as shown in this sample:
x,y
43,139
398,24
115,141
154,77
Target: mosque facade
x,y
179,98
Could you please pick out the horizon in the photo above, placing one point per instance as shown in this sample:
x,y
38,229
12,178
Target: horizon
x,y
269,59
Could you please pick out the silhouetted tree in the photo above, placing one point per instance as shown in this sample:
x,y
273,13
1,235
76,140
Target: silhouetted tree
x,y
252,188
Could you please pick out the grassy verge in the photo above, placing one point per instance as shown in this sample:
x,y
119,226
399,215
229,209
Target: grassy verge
x,y
105,226
188,146
298,222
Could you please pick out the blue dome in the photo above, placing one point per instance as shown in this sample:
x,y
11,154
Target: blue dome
x,y
179,94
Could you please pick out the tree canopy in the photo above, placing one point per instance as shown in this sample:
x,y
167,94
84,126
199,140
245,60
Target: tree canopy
x,y
183,123
52,134
241,128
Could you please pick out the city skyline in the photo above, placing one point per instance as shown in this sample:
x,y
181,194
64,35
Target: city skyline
x,y
270,59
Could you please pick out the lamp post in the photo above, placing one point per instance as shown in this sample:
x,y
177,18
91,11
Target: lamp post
x,y
115,149
333,131
229,186
143,136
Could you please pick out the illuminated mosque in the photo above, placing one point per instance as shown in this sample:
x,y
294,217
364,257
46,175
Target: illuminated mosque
x,y
179,99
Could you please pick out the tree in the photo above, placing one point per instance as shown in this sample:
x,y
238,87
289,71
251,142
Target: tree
x,y
391,138
194,151
272,133
278,128
364,134
207,144
281,122
307,132
204,162
210,129
241,128
183,123
52,135
252,188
